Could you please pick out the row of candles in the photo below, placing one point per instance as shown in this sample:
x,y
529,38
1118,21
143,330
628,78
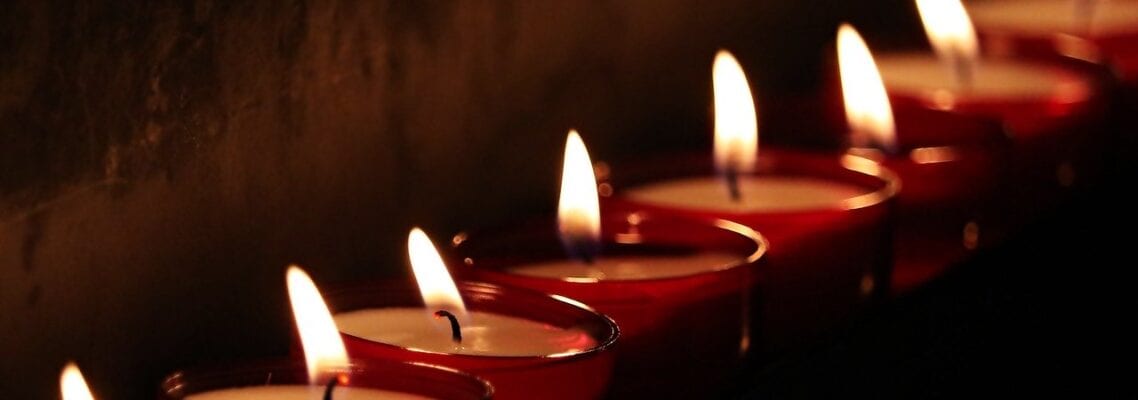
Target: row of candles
x,y
660,278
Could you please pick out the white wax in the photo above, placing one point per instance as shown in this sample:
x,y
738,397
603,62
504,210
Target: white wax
x,y
994,79
1046,17
484,334
630,267
759,194
301,392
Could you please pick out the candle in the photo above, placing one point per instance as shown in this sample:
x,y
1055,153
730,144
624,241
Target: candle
x,y
827,216
327,370
1053,113
300,392
511,337
1100,32
950,166
72,386
678,288
485,333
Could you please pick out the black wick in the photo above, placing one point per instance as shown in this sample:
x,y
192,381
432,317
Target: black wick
x,y
455,330
331,386
733,184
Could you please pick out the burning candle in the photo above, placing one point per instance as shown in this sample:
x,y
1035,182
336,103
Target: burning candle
x,y
827,216
513,338
1096,31
950,168
677,288
1053,113
72,386
328,372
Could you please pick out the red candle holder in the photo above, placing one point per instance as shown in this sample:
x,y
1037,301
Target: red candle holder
x,y
583,374
825,263
682,335
952,168
409,379
1057,140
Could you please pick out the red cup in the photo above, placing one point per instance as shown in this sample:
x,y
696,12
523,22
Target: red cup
x,y
825,264
952,168
681,335
579,375
398,377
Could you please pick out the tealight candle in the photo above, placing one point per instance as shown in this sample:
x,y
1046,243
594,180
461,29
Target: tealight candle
x,y
327,373
678,288
827,216
1053,113
1095,31
512,337
950,166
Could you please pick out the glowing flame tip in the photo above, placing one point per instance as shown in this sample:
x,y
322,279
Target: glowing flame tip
x,y
435,283
72,385
736,123
578,208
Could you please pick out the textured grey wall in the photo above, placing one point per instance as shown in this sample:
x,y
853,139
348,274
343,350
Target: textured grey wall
x,y
161,162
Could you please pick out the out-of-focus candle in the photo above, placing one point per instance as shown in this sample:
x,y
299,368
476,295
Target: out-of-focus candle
x,y
950,168
1052,112
301,392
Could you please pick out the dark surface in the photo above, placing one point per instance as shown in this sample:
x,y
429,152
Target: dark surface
x,y
1049,313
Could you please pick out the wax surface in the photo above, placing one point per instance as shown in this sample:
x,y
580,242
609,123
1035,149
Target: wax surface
x,y
924,74
1045,17
301,392
485,334
759,194
617,268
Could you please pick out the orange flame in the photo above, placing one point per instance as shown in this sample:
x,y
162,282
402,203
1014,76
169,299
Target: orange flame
x,y
868,111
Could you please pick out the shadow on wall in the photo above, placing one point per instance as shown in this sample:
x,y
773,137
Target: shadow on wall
x,y
161,162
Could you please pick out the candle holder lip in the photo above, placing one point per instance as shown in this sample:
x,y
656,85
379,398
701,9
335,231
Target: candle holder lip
x,y
602,327
365,373
761,247
881,183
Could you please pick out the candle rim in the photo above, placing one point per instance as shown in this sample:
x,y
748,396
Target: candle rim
x,y
772,161
611,332
1066,75
223,376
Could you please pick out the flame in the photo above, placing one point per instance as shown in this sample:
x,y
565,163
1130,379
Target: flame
x,y
867,105
950,31
578,209
323,350
435,283
72,385
736,128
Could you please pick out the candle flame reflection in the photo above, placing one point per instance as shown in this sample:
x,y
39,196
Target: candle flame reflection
x,y
868,112
950,32
578,209
435,283
72,385
324,352
736,125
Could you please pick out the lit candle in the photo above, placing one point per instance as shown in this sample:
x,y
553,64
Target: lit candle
x,y
677,288
827,216
1096,31
482,333
72,386
330,374
950,168
510,337
1052,112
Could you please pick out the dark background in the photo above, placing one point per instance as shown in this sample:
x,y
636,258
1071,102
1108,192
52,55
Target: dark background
x,y
162,161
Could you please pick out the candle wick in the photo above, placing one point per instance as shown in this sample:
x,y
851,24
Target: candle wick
x,y
332,385
732,176
455,329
